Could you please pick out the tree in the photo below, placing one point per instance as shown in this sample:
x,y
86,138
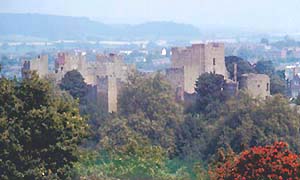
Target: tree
x,y
243,66
210,93
277,78
268,162
246,122
127,154
39,131
73,82
148,105
264,41
265,67
191,139
278,85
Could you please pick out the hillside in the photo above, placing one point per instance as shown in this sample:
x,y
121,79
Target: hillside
x,y
81,28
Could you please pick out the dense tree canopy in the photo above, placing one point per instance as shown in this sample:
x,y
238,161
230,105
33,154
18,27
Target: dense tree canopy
x,y
246,122
150,108
210,93
73,82
265,67
277,78
243,66
40,131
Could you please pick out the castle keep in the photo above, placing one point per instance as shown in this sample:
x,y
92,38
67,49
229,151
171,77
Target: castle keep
x,y
198,59
188,63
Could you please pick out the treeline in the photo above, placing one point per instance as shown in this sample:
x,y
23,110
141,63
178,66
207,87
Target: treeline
x,y
44,133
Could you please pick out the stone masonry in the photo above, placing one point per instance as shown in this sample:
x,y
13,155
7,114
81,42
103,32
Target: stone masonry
x,y
198,59
39,65
257,85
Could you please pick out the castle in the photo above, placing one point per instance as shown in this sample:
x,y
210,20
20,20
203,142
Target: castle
x,y
188,63
196,60
104,76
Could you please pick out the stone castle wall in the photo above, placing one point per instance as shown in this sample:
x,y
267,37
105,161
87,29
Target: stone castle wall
x,y
257,85
108,92
66,62
176,78
39,65
199,59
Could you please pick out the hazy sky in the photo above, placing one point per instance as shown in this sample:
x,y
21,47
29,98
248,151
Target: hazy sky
x,y
258,14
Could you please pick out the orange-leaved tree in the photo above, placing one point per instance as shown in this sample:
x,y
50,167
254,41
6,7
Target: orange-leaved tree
x,y
269,162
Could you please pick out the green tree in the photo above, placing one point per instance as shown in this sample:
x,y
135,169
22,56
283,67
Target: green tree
x,y
278,85
191,139
246,122
265,67
210,93
73,82
277,78
127,154
243,66
39,131
151,109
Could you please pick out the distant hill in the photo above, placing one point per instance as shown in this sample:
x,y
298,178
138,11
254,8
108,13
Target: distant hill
x,y
80,28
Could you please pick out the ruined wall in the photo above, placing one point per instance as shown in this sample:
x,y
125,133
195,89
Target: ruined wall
x,y
257,85
66,62
110,65
176,78
108,92
39,65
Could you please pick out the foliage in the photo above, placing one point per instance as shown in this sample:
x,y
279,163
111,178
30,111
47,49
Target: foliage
x,y
128,155
246,122
148,105
277,78
269,162
191,137
210,93
278,85
242,122
73,82
265,67
39,131
243,66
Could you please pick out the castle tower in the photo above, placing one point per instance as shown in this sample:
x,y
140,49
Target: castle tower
x,y
39,65
199,59
108,92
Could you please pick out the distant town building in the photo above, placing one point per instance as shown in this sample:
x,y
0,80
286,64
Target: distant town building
x,y
199,59
164,52
39,65
257,85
